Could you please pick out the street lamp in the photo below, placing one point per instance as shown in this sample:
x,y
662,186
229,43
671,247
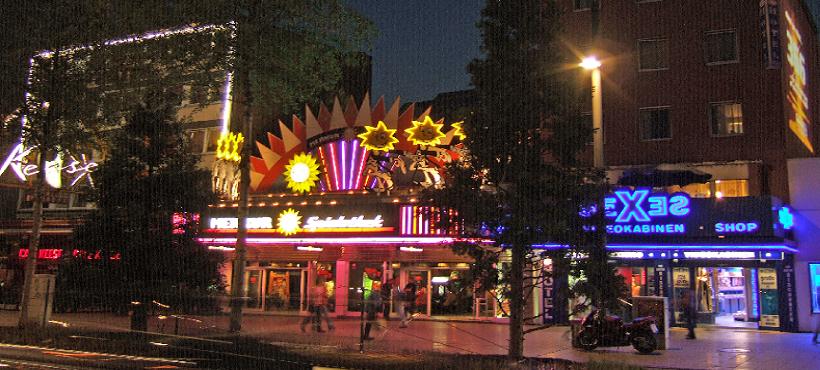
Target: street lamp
x,y
593,64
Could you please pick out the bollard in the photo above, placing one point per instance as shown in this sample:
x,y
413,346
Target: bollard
x,y
139,316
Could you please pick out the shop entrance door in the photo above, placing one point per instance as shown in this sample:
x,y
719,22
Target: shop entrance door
x,y
725,296
450,294
277,290
422,280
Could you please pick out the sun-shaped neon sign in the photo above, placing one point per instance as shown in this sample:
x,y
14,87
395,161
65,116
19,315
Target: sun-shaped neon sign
x,y
288,222
302,173
378,138
425,133
459,130
229,146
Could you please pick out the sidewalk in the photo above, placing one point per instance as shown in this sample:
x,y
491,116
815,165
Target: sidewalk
x,y
715,347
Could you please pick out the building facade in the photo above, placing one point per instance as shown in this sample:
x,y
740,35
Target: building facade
x,y
711,100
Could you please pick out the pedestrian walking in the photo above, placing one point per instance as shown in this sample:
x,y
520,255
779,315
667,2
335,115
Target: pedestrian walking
x,y
408,297
371,305
317,303
689,312
386,290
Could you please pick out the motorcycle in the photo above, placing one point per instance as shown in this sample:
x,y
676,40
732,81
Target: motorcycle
x,y
599,330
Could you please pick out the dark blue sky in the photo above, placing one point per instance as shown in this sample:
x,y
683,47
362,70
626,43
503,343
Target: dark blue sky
x,y
423,46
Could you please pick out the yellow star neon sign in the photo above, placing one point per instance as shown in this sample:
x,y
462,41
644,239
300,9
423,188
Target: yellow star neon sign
x,y
459,130
288,222
378,138
302,173
425,133
228,146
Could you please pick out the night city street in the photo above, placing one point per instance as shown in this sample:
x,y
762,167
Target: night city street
x,y
420,184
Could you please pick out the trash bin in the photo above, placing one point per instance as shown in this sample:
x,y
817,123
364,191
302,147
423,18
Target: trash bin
x,y
139,316
575,327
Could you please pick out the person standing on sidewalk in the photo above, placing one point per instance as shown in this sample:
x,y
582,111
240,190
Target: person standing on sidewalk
x,y
689,312
318,301
385,292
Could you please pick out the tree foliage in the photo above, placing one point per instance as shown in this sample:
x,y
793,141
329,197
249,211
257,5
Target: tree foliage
x,y
524,186
148,177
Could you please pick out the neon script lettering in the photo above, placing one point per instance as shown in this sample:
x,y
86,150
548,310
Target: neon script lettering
x,y
78,169
314,222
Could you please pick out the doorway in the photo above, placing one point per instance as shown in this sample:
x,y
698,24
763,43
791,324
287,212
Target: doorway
x,y
282,290
726,296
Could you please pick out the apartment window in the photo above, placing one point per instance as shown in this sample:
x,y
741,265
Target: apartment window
x,y
731,188
696,190
196,141
213,137
726,119
721,47
653,54
584,4
654,123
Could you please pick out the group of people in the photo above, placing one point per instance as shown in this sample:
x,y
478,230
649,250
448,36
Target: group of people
x,y
407,300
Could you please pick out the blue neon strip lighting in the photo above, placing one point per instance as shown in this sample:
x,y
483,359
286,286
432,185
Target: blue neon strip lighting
x,y
771,247
754,295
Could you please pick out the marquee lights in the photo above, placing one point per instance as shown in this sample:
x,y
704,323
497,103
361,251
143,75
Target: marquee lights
x,y
302,173
379,138
229,146
425,132
797,97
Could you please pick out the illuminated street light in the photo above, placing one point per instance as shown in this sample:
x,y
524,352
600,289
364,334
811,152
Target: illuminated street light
x,y
590,63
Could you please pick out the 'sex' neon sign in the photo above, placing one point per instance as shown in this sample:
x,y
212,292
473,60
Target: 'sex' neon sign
x,y
633,212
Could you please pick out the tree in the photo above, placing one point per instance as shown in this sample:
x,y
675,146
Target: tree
x,y
524,185
148,180
279,53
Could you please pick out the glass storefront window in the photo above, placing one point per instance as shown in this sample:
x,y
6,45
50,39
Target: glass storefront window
x,y
450,294
283,290
814,283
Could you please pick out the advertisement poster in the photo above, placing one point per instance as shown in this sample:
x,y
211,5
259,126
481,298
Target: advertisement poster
x,y
681,276
769,303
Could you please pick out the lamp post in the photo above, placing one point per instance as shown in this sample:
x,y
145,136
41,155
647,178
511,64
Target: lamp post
x,y
593,64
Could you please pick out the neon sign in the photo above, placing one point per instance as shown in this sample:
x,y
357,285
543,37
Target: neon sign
x,y
799,101
720,254
785,217
314,223
736,227
43,254
233,222
634,211
78,169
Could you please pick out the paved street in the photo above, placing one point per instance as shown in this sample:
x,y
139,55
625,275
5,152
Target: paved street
x,y
715,347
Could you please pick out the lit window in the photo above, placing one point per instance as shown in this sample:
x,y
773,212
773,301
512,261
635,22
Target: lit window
x,y
196,141
731,188
654,123
697,190
721,47
653,54
726,119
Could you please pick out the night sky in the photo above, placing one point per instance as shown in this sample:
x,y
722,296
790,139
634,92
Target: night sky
x,y
423,46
